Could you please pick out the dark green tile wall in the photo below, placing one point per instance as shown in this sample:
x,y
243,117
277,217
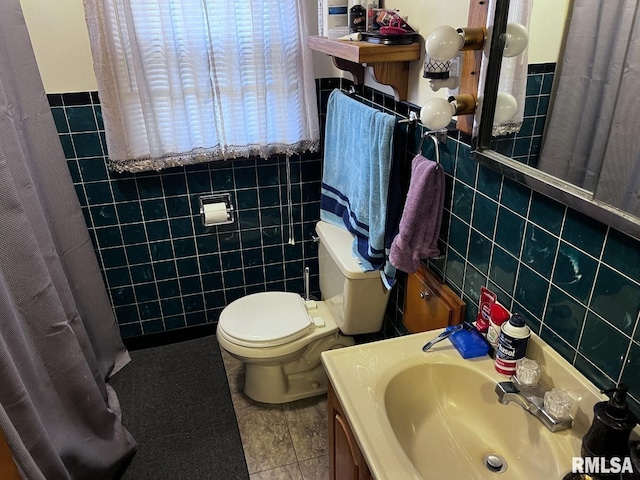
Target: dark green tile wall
x,y
162,268
576,281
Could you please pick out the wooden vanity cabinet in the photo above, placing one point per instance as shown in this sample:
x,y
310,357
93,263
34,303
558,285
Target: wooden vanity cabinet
x,y
346,461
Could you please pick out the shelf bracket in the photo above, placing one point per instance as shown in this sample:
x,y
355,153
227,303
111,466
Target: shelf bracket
x,y
394,74
355,69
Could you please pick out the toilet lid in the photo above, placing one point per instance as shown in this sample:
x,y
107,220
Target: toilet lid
x,y
267,317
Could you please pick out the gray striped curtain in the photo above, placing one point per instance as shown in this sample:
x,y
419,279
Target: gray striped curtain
x,y
59,341
592,136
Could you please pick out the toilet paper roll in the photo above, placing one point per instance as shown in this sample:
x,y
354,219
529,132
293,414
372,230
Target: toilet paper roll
x,y
214,213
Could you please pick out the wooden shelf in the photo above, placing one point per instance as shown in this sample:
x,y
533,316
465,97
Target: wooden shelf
x,y
390,62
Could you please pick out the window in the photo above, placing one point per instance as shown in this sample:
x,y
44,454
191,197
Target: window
x,y
186,81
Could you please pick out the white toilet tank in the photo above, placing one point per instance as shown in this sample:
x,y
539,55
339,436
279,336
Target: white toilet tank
x,y
356,299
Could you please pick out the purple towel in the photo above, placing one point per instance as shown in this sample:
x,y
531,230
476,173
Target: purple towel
x,y
421,218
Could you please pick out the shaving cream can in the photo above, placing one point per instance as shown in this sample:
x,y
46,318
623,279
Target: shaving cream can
x,y
512,344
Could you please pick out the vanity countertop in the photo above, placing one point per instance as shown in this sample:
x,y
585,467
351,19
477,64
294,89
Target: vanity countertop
x,y
391,392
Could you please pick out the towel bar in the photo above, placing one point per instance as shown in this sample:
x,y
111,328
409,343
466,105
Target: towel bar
x,y
412,120
440,135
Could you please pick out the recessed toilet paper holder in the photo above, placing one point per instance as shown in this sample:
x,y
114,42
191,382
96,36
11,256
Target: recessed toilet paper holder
x,y
207,202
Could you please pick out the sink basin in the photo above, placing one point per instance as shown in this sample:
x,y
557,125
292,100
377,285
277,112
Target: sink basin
x,y
453,411
435,415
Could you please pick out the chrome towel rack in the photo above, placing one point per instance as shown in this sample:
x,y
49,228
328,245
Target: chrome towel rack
x,y
440,135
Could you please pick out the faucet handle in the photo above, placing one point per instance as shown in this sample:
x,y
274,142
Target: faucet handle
x,y
557,403
528,372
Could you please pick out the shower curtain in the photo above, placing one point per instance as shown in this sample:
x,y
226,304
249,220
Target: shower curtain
x,y
591,139
59,341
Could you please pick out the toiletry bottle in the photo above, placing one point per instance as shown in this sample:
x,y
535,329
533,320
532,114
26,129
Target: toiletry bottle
x,y
609,433
512,344
497,317
357,17
487,299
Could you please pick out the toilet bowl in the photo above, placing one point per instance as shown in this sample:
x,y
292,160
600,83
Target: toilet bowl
x,y
279,336
275,335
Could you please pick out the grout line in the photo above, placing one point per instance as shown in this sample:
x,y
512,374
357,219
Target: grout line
x,y
154,280
605,375
551,275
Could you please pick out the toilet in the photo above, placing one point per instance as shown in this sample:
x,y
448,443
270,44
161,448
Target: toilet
x,y
280,336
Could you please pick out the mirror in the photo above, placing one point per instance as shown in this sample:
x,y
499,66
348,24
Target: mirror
x,y
572,143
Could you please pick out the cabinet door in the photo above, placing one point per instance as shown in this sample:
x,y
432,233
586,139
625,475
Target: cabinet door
x,y
345,458
430,304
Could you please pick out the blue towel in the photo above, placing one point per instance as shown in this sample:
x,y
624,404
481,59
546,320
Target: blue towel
x,y
356,175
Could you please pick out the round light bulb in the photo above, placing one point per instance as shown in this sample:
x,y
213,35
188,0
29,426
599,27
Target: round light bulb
x,y
506,106
516,40
436,113
443,43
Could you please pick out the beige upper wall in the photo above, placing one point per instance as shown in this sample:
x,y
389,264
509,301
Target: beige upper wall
x,y
425,15
547,25
61,42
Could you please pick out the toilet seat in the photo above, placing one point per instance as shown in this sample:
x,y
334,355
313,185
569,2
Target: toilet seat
x,y
266,319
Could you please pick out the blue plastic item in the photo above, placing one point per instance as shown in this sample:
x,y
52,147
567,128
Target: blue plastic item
x,y
470,343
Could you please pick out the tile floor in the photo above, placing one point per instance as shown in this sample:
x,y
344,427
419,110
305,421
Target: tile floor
x,y
281,442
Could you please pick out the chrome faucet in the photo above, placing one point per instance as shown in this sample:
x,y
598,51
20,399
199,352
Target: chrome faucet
x,y
531,398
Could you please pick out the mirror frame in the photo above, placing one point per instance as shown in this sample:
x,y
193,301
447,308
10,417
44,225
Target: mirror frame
x,y
559,190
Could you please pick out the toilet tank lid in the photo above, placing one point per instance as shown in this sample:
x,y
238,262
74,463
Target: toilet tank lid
x,y
339,242
266,317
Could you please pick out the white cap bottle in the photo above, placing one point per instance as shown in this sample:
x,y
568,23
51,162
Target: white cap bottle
x,y
512,344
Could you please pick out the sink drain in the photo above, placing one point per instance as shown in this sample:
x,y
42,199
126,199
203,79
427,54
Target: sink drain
x,y
494,463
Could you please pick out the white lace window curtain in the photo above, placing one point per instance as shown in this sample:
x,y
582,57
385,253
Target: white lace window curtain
x,y
189,81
